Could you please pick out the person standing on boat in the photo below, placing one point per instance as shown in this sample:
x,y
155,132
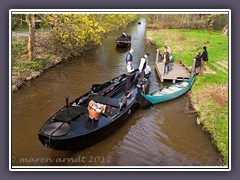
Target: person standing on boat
x,y
198,62
129,56
130,71
147,71
124,34
204,57
143,65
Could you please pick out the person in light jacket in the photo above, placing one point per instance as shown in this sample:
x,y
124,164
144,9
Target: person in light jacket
x,y
130,71
198,62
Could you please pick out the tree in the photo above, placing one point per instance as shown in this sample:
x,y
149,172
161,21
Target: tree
x,y
192,21
31,19
72,32
225,30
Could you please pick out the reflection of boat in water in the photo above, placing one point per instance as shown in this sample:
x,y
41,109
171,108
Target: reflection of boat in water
x,y
122,50
123,40
169,92
91,117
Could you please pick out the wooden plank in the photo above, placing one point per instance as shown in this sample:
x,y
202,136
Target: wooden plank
x,y
223,64
177,71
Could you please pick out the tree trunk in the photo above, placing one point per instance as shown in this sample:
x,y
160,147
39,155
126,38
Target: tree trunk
x,y
181,22
225,30
31,36
211,27
201,25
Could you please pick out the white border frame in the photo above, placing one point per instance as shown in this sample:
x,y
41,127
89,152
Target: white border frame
x,y
119,168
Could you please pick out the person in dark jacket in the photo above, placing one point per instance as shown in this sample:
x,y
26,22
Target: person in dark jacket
x,y
129,56
205,54
198,62
204,57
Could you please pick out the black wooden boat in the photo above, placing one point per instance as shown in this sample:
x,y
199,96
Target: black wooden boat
x,y
73,128
123,40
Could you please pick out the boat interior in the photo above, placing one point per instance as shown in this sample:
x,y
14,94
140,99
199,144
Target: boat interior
x,y
171,89
93,110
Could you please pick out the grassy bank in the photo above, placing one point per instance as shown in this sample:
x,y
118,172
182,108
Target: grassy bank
x,y
210,90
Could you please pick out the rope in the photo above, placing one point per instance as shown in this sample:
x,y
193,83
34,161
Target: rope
x,y
49,137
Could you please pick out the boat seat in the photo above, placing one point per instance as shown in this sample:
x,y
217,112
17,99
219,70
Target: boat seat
x,y
104,100
184,84
158,93
174,88
68,114
166,91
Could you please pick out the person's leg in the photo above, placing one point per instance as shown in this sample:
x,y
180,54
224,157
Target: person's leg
x,y
128,84
141,77
202,66
166,69
197,70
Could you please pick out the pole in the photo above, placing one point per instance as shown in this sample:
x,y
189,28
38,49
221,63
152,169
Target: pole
x,y
163,67
66,97
180,55
193,67
157,55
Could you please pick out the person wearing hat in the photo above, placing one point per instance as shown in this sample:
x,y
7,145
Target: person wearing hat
x,y
129,56
130,71
204,57
167,49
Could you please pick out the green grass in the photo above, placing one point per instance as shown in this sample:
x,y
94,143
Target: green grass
x,y
20,65
23,27
210,91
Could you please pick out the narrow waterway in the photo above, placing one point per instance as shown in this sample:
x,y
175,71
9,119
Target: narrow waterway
x,y
164,135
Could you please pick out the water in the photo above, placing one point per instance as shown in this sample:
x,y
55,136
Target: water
x,y
165,135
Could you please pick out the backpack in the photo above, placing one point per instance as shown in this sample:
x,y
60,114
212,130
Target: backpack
x,y
171,58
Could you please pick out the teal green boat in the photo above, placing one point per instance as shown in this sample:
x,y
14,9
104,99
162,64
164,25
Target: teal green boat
x,y
169,92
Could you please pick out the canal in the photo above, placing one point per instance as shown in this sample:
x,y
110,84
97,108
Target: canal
x,y
164,135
